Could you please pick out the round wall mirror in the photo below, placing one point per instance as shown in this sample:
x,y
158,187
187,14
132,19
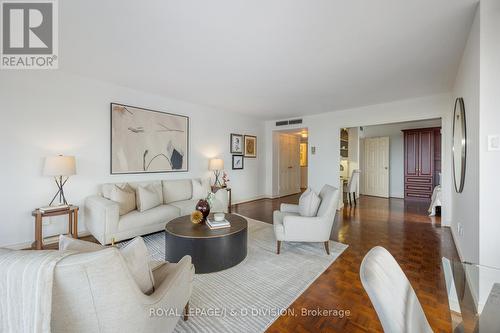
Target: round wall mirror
x,y
459,144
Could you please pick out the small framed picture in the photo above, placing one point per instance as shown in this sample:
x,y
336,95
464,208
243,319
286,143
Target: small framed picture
x,y
236,143
238,162
250,146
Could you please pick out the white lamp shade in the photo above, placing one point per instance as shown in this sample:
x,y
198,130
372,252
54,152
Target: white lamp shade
x,y
216,164
59,166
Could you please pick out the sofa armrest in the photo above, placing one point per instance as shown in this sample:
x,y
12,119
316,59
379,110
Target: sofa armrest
x,y
101,217
307,229
289,208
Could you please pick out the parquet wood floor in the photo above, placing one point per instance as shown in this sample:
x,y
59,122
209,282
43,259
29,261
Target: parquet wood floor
x,y
417,241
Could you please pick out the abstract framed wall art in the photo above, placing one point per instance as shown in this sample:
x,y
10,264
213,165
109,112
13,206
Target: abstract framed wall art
x,y
148,141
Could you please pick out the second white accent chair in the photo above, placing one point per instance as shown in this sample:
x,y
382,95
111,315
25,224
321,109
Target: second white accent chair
x,y
290,226
352,186
391,294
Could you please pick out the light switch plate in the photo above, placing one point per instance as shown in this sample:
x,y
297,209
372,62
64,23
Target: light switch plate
x,y
494,142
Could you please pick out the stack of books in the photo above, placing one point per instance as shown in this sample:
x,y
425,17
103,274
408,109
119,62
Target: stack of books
x,y
212,224
49,209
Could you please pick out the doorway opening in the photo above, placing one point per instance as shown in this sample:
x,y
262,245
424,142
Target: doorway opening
x,y
395,160
349,165
290,161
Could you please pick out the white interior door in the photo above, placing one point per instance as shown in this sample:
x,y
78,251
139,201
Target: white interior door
x,y
289,164
375,171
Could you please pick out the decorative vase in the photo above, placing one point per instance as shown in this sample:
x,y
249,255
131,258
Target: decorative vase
x,y
203,207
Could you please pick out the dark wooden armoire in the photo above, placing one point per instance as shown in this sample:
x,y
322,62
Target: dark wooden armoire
x,y
422,162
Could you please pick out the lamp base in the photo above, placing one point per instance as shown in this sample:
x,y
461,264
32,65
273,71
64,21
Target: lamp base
x,y
60,184
217,182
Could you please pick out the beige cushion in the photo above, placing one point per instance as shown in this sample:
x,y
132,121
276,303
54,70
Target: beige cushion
x,y
148,197
71,244
176,190
106,188
125,197
135,254
201,188
137,257
136,220
186,207
308,203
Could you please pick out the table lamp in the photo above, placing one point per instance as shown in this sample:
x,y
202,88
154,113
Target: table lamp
x,y
216,165
60,167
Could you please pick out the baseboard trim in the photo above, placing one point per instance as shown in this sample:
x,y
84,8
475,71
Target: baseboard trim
x,y
50,240
259,197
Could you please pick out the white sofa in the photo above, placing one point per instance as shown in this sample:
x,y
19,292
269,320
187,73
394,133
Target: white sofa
x,y
103,220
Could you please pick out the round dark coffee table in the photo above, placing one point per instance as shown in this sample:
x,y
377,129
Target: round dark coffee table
x,y
211,250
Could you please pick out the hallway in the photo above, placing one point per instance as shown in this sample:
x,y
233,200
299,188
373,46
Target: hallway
x,y
418,247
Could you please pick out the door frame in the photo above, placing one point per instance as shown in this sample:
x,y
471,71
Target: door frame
x,y
275,157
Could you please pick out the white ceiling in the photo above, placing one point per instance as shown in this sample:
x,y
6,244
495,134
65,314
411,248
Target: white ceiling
x,y
270,58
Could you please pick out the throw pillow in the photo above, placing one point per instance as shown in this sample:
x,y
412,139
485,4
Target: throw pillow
x,y
201,188
137,257
309,203
135,254
148,197
125,197
71,244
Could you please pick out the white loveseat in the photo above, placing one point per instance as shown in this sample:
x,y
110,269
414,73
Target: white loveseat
x,y
103,220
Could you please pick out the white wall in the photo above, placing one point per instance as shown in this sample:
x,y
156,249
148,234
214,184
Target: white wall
x,y
324,132
396,150
465,205
49,112
489,124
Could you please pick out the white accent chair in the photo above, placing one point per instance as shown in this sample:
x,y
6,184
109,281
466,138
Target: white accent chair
x,y
391,294
290,226
352,186
95,292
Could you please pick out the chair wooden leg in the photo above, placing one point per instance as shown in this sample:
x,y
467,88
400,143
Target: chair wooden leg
x,y
354,196
327,247
350,202
278,246
186,312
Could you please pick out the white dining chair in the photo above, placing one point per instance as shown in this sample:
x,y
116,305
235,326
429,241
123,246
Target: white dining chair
x,y
352,186
391,293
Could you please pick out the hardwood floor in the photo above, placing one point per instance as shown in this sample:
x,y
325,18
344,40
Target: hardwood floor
x,y
417,241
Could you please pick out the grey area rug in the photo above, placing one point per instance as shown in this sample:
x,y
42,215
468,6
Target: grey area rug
x,y
251,295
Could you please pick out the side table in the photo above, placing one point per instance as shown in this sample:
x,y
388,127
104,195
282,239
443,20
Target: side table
x,y
71,211
228,189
